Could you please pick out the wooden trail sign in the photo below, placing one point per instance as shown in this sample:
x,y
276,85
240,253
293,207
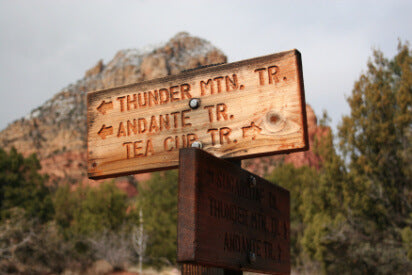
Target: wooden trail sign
x,y
245,109
230,218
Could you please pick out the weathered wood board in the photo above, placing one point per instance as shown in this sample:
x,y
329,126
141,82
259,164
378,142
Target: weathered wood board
x,y
225,220
250,108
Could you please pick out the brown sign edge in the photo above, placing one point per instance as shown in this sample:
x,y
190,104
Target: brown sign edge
x,y
186,224
194,73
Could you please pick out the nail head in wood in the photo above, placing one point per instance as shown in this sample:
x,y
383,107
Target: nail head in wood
x,y
197,144
194,103
252,181
252,257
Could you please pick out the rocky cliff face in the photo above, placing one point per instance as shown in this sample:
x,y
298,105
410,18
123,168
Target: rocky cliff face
x,y
56,131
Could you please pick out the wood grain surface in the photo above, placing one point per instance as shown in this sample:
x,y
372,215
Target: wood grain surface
x,y
250,108
230,218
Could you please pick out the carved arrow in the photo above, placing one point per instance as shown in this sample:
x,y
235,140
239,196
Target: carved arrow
x,y
252,128
105,131
104,107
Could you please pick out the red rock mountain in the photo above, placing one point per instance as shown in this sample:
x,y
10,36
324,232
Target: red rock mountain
x,y
56,131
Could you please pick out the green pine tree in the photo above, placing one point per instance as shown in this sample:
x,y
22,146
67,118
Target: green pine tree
x,y
323,207
87,210
158,200
376,141
21,185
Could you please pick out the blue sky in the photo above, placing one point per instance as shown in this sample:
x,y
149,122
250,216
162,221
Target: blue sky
x,y
46,45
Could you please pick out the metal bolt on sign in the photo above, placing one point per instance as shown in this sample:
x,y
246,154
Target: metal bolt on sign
x,y
194,103
252,181
252,257
197,144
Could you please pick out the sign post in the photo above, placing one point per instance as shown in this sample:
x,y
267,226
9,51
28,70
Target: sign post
x,y
228,217
240,110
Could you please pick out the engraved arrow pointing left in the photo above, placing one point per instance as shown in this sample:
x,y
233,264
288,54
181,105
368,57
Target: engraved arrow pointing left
x,y
104,107
105,131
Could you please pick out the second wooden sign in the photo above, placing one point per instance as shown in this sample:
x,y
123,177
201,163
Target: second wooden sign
x,y
230,218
